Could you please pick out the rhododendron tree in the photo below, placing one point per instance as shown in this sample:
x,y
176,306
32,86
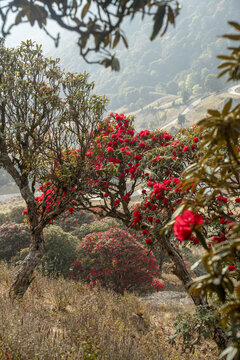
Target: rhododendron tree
x,y
125,163
213,217
44,139
217,198
116,260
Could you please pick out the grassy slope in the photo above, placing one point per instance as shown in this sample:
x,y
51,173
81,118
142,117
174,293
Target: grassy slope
x,y
61,319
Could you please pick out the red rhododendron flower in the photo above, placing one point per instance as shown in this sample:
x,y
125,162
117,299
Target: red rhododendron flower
x,y
196,140
137,213
71,209
184,224
142,144
237,200
222,199
186,148
148,241
231,268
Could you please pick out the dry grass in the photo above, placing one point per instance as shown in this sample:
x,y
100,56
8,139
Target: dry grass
x,y
60,319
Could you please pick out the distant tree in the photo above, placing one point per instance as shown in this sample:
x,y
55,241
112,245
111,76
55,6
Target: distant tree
x,y
37,130
185,96
100,21
190,82
173,130
181,119
197,89
212,83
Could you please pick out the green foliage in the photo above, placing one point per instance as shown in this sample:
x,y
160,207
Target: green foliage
x,y
181,119
69,222
13,238
192,329
216,175
59,251
95,227
15,215
231,64
211,83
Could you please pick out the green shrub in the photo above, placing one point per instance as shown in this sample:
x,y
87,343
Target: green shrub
x,y
15,215
3,218
193,328
59,251
95,227
13,238
70,221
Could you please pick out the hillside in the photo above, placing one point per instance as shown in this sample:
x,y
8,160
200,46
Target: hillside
x,y
182,63
163,112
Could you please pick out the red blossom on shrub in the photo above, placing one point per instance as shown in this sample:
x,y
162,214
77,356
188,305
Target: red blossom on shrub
x,y
116,260
185,224
222,199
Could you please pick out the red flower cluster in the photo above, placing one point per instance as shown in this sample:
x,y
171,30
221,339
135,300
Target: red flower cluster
x,y
185,224
116,260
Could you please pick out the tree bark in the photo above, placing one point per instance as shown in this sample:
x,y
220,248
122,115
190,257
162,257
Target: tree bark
x,y
180,269
160,254
24,275
181,272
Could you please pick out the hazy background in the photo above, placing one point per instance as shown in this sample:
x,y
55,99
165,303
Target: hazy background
x,y
180,60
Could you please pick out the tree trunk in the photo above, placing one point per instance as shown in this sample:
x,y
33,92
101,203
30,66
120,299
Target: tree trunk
x,y
181,272
160,254
24,275
180,269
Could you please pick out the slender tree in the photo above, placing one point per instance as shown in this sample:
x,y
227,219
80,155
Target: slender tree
x,y
37,130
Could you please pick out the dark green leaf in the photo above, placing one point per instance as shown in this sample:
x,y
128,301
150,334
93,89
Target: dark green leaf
x,y
235,25
201,239
158,21
85,9
116,40
227,107
124,41
214,113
